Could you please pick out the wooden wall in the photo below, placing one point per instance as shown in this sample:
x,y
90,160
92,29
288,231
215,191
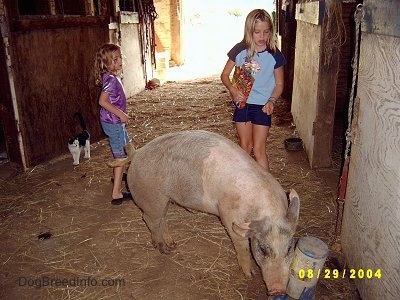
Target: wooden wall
x,y
330,116
52,60
176,31
371,220
321,86
136,62
314,87
168,28
305,85
7,124
53,79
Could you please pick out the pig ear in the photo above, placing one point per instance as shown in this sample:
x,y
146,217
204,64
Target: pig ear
x,y
294,208
242,229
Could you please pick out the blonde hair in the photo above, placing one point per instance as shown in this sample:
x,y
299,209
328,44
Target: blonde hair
x,y
103,60
258,15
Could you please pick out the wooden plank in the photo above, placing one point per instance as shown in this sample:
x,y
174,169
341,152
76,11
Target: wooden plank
x,y
305,85
58,22
310,12
325,114
381,17
129,17
371,221
50,90
7,111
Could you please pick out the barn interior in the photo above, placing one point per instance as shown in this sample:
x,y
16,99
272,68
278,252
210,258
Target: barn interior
x,y
173,46
45,70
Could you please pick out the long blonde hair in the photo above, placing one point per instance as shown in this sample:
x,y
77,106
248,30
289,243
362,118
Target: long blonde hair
x,y
103,60
258,15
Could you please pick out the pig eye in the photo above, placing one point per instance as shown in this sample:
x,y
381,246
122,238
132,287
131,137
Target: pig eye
x,y
264,250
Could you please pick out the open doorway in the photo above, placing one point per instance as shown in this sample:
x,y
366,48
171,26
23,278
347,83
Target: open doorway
x,y
209,30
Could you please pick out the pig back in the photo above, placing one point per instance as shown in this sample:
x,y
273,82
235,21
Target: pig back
x,y
196,169
172,165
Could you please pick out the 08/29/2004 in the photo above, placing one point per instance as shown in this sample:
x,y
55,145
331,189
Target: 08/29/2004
x,y
307,274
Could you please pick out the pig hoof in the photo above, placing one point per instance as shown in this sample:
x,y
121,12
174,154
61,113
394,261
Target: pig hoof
x,y
168,248
171,245
163,248
250,273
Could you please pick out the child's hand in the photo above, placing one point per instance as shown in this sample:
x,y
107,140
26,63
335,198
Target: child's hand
x,y
268,108
124,118
237,95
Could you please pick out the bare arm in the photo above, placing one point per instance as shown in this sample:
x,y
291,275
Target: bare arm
x,y
279,83
226,72
106,104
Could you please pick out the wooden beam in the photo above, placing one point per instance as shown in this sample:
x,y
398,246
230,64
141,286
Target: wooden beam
x,y
57,22
311,12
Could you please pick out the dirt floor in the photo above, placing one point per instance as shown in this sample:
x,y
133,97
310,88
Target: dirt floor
x,y
100,251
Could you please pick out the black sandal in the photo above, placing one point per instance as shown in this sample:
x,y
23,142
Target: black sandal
x,y
126,196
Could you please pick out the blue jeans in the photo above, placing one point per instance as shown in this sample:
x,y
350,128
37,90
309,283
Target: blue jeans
x,y
117,137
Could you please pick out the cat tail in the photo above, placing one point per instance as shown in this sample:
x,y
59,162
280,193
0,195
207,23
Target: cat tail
x,y
81,120
119,162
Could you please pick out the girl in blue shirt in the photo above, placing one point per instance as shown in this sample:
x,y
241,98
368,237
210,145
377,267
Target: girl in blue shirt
x,y
257,52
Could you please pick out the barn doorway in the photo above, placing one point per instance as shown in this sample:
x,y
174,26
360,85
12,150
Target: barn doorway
x,y
209,30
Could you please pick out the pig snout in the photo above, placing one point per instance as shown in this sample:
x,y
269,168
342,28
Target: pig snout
x,y
276,278
277,290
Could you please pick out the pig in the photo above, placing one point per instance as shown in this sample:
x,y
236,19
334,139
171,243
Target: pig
x,y
204,171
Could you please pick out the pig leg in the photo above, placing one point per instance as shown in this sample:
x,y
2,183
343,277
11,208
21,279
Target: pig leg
x,y
241,244
154,215
165,235
243,254
161,240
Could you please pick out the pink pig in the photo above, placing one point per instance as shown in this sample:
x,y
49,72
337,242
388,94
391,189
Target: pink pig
x,y
204,171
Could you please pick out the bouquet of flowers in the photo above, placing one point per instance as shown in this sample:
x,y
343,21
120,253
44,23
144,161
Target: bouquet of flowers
x,y
243,80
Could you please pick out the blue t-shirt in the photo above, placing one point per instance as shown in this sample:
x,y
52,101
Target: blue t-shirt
x,y
264,80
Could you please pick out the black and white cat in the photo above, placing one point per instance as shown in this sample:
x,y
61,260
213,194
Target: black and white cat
x,y
80,141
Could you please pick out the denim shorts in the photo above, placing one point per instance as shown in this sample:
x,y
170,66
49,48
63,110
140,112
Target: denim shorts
x,y
118,138
252,113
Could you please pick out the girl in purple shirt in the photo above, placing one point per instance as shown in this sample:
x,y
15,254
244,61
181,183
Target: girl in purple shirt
x,y
113,116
